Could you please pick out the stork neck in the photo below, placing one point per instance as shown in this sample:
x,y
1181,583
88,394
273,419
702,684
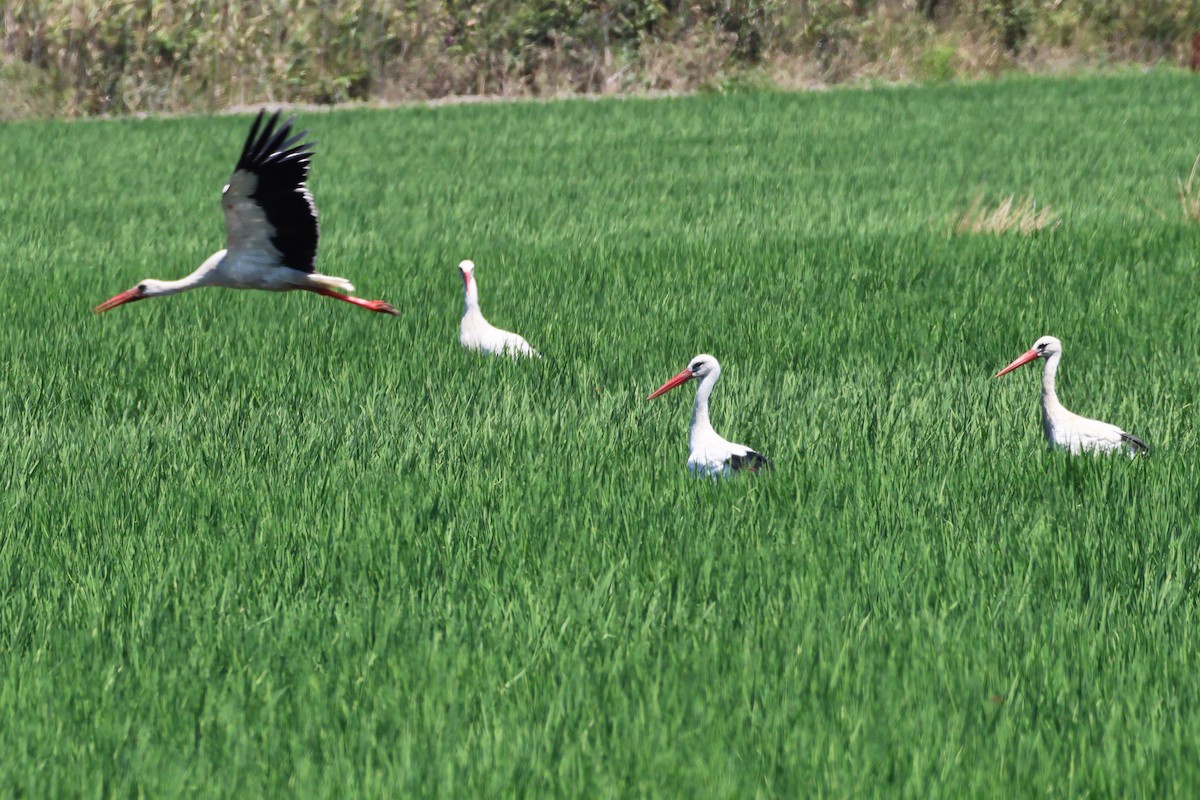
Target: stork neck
x,y
192,281
470,296
700,423
1049,395
201,276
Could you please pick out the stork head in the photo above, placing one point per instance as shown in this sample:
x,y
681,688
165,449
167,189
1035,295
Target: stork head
x,y
146,289
1043,348
139,292
467,268
698,368
703,365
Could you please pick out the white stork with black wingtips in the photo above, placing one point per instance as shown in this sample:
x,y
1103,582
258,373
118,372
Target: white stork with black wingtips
x,y
476,333
271,227
711,455
1063,428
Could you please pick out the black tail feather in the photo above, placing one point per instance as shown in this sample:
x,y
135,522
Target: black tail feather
x,y
1134,442
750,461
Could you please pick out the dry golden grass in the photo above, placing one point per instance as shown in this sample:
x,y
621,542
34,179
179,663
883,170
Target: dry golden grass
x,y
24,91
126,56
1010,216
1189,194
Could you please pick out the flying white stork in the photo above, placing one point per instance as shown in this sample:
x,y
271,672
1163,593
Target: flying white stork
x,y
476,333
270,227
1063,428
711,455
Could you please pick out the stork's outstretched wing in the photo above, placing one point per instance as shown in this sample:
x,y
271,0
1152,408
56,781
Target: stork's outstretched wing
x,y
268,208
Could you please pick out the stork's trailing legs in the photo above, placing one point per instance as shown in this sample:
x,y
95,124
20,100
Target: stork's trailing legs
x,y
369,305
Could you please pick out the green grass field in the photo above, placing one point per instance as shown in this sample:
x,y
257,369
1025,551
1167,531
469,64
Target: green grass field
x,y
259,544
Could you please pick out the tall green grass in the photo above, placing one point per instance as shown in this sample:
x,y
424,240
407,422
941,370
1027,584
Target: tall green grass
x,y
269,544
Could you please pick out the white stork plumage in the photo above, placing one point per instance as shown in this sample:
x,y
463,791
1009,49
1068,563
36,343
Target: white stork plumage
x,y
476,333
1063,428
711,455
270,227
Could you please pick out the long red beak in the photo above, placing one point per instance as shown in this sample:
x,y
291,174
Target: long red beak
x,y
117,300
678,380
1024,358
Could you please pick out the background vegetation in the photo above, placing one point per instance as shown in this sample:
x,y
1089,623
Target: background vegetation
x,y
258,544
119,56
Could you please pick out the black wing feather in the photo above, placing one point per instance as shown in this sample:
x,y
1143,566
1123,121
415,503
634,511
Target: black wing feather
x,y
281,169
253,134
751,461
1137,444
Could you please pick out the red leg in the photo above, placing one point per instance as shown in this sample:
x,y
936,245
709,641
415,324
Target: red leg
x,y
369,305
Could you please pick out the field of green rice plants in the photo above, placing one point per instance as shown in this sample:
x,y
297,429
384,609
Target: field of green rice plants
x,y
262,544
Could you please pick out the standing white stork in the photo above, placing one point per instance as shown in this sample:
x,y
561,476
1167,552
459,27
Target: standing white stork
x,y
476,333
270,227
1063,428
710,453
